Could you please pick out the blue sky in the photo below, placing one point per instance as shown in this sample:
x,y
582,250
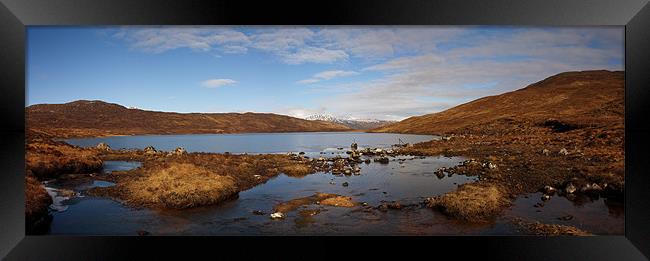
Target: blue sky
x,y
358,72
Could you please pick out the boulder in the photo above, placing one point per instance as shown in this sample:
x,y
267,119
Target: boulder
x,y
354,146
570,188
150,150
491,165
180,151
103,146
382,160
277,215
549,190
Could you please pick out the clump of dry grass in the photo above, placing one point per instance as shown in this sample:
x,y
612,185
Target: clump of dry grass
x,y
318,198
36,198
540,229
154,184
471,202
180,185
51,159
297,170
37,202
338,201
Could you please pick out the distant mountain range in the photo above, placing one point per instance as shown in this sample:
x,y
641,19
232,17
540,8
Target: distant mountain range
x,y
85,118
572,98
357,124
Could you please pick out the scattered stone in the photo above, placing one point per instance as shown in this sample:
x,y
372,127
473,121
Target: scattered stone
x,y
354,146
103,146
382,160
570,188
596,187
150,150
564,152
277,215
492,165
549,190
345,184
180,151
546,197
546,152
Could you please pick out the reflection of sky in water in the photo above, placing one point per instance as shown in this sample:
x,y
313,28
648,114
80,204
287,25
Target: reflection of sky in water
x,y
408,182
597,215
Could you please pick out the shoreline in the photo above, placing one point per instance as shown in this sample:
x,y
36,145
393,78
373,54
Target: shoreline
x,y
452,145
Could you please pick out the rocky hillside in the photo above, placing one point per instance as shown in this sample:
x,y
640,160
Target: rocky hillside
x,y
97,118
562,102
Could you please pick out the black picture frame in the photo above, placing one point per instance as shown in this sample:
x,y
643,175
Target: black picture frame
x,y
15,15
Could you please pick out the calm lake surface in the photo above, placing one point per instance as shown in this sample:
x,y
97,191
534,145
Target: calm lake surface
x,y
256,142
405,179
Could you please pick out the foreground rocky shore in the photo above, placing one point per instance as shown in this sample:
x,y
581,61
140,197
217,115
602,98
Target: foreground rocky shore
x,y
506,166
528,157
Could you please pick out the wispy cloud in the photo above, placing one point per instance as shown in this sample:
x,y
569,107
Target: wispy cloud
x,y
214,83
326,75
414,70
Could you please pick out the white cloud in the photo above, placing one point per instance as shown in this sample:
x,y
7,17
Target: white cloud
x,y
314,55
214,83
414,70
326,75
158,40
308,81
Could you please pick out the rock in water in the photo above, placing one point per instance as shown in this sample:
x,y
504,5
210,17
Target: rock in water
x,y
180,151
103,146
277,215
150,150
549,190
570,189
354,146
382,160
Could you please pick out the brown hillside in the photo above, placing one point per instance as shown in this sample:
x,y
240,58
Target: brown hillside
x,y
588,98
98,118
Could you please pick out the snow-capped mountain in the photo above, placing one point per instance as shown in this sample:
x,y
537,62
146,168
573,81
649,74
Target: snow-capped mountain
x,y
359,124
